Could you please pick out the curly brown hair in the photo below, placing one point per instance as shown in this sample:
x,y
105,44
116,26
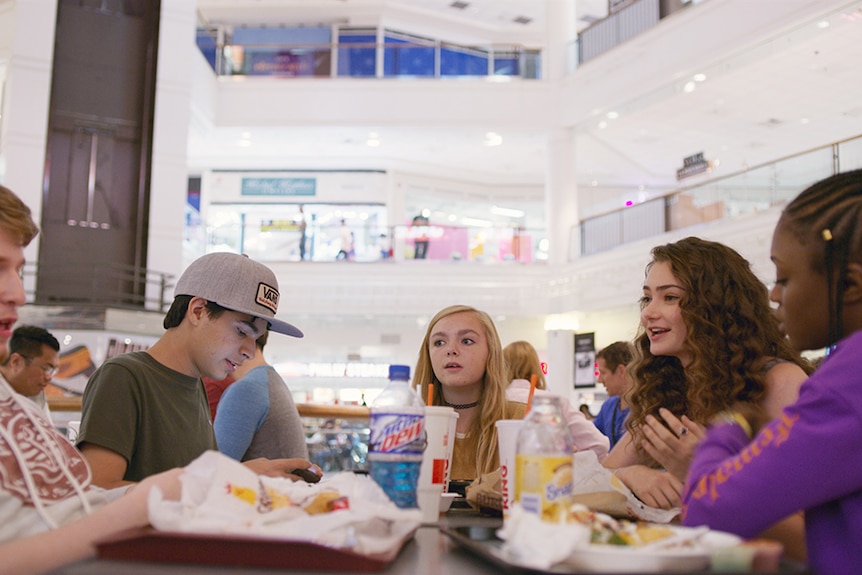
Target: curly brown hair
x,y
731,333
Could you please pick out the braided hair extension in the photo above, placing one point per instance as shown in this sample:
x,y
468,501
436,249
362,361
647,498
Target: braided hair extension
x,y
825,218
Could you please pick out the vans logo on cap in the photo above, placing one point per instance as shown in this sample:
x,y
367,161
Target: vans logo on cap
x,y
267,296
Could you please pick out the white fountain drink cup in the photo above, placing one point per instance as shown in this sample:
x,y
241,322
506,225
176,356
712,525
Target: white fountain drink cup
x,y
437,459
507,437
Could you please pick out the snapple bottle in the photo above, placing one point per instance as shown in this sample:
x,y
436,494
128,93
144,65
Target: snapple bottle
x,y
397,438
543,463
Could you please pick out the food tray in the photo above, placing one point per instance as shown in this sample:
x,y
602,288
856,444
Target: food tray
x,y
483,541
215,549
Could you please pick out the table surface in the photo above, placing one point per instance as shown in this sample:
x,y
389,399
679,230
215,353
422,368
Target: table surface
x,y
429,553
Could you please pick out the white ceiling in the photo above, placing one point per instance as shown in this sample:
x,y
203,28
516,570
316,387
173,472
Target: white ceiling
x,y
790,93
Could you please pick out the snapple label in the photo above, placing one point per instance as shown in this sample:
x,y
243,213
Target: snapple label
x,y
543,484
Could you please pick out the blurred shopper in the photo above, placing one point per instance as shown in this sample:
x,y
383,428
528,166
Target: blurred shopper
x,y
461,358
612,361
346,245
257,416
34,356
522,362
215,388
708,339
303,225
420,243
806,458
144,412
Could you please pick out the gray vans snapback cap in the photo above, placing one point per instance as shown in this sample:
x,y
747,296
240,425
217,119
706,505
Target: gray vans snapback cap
x,y
238,283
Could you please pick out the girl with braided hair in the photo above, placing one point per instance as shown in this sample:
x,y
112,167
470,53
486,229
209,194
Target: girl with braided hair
x,y
746,473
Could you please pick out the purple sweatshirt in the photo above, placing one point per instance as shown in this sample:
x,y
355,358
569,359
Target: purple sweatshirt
x,y
808,459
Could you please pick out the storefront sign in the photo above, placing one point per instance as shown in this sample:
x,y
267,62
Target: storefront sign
x,y
585,359
279,186
692,165
279,226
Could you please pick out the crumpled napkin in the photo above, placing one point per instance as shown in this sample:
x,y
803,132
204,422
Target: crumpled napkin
x,y
486,491
531,542
220,495
590,476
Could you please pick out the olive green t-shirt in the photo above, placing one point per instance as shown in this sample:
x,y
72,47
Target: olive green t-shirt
x,y
153,416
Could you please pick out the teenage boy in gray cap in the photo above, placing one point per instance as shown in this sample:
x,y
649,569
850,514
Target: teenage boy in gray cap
x,y
145,412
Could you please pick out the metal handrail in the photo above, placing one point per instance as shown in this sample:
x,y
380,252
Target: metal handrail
x,y
99,284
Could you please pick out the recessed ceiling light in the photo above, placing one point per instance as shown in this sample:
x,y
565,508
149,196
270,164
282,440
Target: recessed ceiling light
x,y
823,24
699,77
803,121
511,212
689,87
603,125
476,222
613,115
493,139
372,143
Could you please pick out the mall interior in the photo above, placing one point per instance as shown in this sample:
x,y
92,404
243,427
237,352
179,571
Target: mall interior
x,y
547,144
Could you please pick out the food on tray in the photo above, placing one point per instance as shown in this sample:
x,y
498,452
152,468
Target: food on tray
x,y
607,530
326,501
268,499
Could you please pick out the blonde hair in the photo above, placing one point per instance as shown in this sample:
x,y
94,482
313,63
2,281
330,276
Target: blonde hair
x,y
482,436
522,362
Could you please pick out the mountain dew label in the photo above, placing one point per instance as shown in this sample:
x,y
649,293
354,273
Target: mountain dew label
x,y
397,433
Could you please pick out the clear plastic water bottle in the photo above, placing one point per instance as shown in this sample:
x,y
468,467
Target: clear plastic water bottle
x,y
397,438
543,461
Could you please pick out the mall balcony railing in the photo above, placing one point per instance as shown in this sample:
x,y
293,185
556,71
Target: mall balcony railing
x,y
627,19
741,193
88,288
484,245
394,58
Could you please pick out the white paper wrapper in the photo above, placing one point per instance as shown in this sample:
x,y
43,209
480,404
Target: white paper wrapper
x,y
220,495
590,476
540,544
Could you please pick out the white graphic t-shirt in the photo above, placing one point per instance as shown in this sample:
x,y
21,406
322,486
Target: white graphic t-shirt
x,y
44,480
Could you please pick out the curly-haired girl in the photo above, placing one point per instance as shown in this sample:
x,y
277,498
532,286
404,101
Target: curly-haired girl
x,y
807,458
708,339
462,358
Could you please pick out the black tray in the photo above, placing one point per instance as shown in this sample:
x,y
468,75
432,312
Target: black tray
x,y
483,541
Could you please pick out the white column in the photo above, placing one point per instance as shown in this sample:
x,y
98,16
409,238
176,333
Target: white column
x,y
561,198
561,362
561,31
169,174
27,50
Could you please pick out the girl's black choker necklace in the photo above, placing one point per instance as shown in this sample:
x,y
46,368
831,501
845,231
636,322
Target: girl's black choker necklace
x,y
461,405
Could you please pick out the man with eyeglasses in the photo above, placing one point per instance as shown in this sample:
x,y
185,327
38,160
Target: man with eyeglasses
x,y
34,355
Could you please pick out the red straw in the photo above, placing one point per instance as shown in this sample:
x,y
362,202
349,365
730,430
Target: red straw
x,y
533,380
430,394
